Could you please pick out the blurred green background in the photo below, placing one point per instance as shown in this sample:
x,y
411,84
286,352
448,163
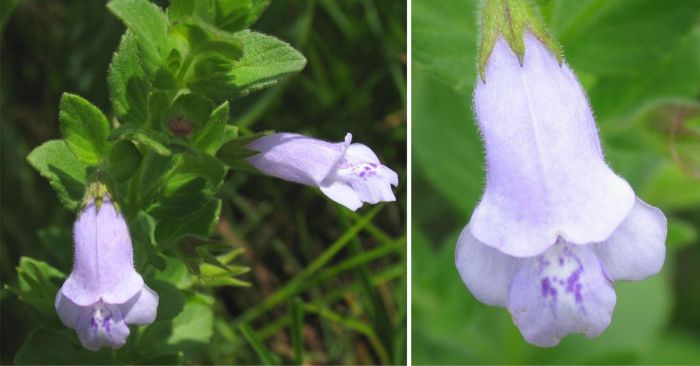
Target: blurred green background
x,y
345,271
639,60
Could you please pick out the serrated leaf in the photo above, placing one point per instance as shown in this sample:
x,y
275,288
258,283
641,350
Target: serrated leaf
x,y
153,140
266,60
66,174
198,224
124,160
202,38
128,86
210,138
84,127
158,107
154,171
150,26
142,228
173,200
191,107
228,15
38,284
235,15
202,165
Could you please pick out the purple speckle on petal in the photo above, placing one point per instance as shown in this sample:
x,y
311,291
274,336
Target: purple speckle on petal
x,y
547,288
573,285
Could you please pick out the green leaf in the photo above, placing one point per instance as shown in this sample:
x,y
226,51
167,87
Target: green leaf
x,y
235,15
202,38
228,15
53,347
206,166
150,26
176,199
153,140
124,160
128,86
444,40
189,332
216,271
176,273
154,171
143,228
199,224
266,60
158,107
623,36
193,108
451,150
66,174
675,76
670,188
38,284
210,138
180,9
175,303
84,128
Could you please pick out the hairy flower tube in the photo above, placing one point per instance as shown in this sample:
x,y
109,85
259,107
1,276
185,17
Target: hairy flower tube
x,y
104,294
347,173
555,226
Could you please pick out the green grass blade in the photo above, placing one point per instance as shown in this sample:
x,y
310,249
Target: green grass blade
x,y
298,282
297,314
266,357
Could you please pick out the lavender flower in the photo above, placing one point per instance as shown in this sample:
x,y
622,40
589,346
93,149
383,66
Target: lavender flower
x,y
349,174
104,294
555,226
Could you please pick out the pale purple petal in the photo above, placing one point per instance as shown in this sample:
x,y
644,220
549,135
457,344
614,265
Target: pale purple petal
x,y
142,308
565,290
637,248
546,176
102,326
67,310
103,268
358,154
297,158
361,171
342,193
361,153
486,271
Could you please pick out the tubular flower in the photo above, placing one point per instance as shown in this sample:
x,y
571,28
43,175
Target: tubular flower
x,y
556,226
349,174
104,294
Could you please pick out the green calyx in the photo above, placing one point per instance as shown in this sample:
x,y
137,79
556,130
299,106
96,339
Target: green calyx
x,y
96,191
510,19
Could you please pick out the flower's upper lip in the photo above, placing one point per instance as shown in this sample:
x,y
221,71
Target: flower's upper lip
x,y
546,176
